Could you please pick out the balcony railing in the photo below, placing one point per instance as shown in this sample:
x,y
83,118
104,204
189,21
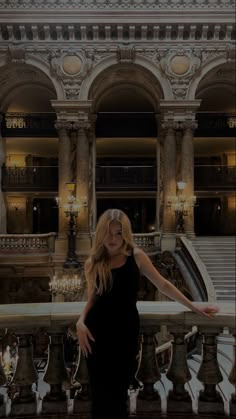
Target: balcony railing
x,y
43,386
126,177
117,124
212,177
30,178
27,243
36,124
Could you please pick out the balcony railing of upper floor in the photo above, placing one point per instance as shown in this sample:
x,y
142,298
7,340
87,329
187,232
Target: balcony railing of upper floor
x,y
110,178
27,243
39,382
214,177
113,124
30,178
126,178
45,243
18,124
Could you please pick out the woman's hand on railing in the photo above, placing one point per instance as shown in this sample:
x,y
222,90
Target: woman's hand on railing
x,y
84,337
207,311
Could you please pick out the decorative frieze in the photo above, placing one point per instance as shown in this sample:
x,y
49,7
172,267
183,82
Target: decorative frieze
x,y
94,32
115,4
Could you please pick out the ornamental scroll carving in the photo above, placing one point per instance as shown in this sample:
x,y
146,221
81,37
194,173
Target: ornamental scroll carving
x,y
71,67
179,66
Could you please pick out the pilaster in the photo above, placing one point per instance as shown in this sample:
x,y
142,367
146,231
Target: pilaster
x,y
3,216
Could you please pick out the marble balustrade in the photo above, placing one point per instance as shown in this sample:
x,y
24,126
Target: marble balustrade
x,y
54,319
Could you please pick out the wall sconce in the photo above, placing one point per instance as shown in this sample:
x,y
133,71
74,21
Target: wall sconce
x,y
181,205
231,122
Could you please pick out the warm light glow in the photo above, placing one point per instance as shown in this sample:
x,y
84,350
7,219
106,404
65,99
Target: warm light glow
x,y
70,186
232,203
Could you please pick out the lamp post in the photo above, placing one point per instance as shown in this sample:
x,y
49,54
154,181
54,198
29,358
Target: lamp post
x,y
69,282
181,205
71,210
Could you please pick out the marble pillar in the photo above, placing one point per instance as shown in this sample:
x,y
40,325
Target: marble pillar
x,y
92,177
64,171
82,184
3,211
187,172
169,184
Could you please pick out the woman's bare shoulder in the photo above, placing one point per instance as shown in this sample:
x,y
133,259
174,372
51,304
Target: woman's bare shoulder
x,y
137,251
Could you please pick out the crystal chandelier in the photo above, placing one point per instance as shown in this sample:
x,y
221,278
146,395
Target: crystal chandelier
x,y
66,283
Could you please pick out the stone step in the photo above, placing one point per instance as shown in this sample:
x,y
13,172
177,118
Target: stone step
x,y
222,276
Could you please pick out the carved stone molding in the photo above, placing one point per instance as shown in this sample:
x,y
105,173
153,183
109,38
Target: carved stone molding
x,y
180,66
126,54
174,31
119,4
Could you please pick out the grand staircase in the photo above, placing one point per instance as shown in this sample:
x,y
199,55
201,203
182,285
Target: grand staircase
x,y
218,255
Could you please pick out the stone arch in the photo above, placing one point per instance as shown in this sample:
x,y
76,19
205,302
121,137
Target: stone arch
x,y
15,76
141,68
216,89
205,69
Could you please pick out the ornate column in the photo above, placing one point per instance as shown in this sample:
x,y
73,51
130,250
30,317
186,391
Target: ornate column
x,y
3,217
82,181
64,169
187,171
92,176
169,183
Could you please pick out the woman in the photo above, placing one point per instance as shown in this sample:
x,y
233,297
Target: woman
x,y
108,327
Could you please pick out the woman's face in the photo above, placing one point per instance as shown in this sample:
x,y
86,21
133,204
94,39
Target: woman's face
x,y
114,238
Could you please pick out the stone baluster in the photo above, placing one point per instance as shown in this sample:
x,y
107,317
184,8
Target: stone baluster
x,y
148,399
3,217
232,380
25,403
64,170
56,400
169,180
178,372
3,381
187,172
210,400
82,400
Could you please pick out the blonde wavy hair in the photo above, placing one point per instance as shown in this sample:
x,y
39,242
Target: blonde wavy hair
x,y
99,261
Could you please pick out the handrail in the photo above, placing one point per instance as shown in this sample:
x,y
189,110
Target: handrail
x,y
201,268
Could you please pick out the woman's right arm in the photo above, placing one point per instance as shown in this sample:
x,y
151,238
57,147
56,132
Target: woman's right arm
x,y
83,333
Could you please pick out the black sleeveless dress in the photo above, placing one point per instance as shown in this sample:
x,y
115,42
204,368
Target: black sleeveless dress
x,y
114,324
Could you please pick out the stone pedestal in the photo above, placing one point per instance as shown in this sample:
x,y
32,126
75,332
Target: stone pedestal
x,y
232,408
148,408
50,406
215,408
22,408
2,406
82,407
181,406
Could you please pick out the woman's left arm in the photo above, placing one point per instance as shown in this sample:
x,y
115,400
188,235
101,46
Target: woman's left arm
x,y
149,271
